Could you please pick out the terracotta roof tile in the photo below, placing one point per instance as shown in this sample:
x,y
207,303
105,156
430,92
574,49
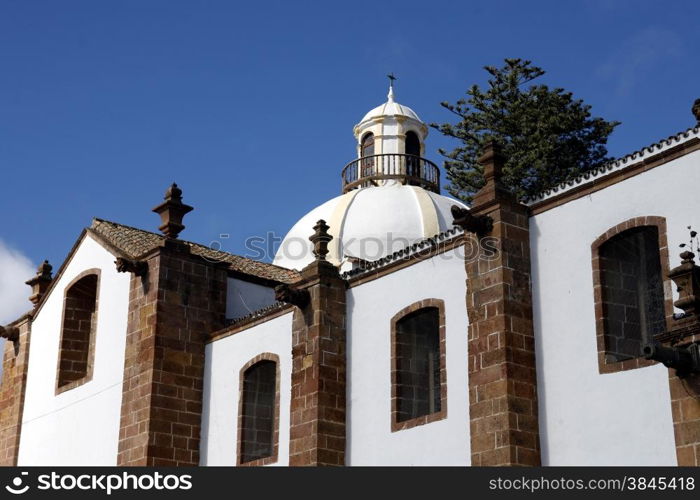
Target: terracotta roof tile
x,y
135,243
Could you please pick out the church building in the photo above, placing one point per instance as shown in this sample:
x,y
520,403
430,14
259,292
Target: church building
x,y
395,326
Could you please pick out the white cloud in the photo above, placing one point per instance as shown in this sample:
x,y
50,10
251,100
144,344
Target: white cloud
x,y
15,269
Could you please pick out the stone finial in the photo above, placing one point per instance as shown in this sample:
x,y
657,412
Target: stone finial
x,y
40,282
492,160
696,110
172,211
687,280
687,257
686,276
44,270
320,239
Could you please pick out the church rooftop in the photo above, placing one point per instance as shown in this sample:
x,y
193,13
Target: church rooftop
x,y
136,243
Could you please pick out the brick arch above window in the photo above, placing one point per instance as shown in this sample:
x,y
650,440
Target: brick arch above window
x,y
605,365
273,457
397,425
76,348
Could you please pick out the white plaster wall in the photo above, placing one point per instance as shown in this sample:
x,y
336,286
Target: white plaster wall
x,y
243,297
587,418
79,426
370,309
390,140
224,360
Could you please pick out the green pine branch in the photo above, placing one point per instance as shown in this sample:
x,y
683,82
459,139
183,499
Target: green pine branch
x,y
546,135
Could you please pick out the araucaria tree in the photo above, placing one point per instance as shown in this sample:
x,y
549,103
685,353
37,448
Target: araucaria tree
x,y
546,135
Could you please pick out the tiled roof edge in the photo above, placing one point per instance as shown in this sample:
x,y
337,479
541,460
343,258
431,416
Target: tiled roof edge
x,y
617,164
405,253
259,313
195,245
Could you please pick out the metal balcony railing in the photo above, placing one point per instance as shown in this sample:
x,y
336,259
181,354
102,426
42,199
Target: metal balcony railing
x,y
407,169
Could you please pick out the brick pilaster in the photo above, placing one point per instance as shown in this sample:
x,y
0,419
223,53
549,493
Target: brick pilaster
x,y
502,375
317,433
12,388
685,408
683,335
171,309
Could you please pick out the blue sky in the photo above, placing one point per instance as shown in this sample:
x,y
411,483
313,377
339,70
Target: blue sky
x,y
249,106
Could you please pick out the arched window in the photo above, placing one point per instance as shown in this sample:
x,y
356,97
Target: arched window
x,y
367,153
367,145
412,143
413,149
259,411
419,383
633,294
631,308
76,348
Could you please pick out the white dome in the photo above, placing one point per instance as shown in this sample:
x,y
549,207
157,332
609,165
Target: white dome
x,y
391,108
369,224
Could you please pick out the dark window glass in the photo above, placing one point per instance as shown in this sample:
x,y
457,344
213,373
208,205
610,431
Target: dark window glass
x,y
367,145
632,289
418,364
412,144
259,385
79,318
412,148
367,150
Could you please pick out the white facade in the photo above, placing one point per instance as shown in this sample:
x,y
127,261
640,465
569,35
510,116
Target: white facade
x,y
371,307
585,417
588,418
225,359
79,426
